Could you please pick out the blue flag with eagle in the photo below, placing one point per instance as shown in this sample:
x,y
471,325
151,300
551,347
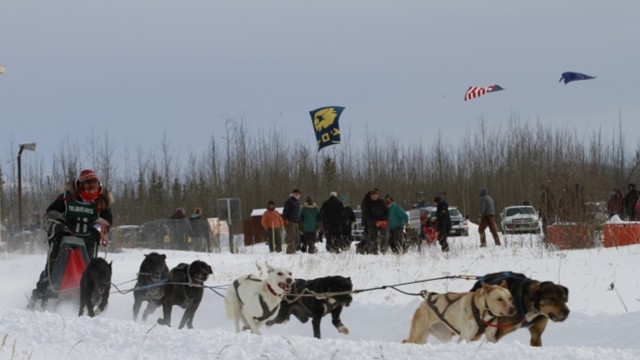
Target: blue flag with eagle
x,y
325,124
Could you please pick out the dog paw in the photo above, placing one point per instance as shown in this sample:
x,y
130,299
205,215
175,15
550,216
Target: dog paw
x,y
97,311
343,330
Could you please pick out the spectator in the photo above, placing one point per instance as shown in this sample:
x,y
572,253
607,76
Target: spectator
x,y
443,222
428,228
332,218
272,223
397,219
374,218
363,204
614,204
181,232
629,202
291,214
310,225
487,218
201,231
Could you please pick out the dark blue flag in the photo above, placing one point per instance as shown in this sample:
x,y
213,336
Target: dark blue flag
x,y
570,76
325,124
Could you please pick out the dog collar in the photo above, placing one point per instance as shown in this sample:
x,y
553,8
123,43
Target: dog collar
x,y
271,290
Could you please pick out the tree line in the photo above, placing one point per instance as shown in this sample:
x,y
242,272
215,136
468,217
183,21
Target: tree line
x,y
511,161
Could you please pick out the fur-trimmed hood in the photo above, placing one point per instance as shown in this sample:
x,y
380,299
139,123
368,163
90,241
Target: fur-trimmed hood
x,y
70,186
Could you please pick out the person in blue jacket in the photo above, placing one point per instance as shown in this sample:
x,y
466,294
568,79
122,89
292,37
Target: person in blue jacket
x,y
397,218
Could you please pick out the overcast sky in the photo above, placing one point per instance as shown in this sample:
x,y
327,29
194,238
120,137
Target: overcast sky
x,y
138,69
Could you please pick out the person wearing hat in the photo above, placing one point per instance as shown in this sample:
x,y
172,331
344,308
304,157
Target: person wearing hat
x,y
180,230
272,223
201,231
310,225
291,215
332,217
365,202
84,210
487,218
443,222
374,218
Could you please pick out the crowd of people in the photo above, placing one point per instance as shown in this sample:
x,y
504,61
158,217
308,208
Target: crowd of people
x,y
383,220
306,223
303,224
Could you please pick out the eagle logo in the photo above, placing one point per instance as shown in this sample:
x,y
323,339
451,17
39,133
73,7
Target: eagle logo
x,y
324,118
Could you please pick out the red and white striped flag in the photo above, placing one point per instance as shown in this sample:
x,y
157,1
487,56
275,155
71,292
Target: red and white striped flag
x,y
475,91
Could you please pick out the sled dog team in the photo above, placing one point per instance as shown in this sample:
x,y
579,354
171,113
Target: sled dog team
x,y
497,304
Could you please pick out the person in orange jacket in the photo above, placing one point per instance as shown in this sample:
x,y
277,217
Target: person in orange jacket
x,y
273,223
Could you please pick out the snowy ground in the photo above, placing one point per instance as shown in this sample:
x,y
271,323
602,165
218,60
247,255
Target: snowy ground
x,y
602,323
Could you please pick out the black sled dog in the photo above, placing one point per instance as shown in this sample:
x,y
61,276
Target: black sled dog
x,y
95,286
321,296
185,289
150,285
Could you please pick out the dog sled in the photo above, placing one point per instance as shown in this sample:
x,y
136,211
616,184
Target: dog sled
x,y
61,281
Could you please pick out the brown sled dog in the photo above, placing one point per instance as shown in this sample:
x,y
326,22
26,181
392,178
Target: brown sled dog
x,y
536,302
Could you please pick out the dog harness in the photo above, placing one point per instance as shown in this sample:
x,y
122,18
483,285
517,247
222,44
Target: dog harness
x,y
482,324
153,289
440,314
266,312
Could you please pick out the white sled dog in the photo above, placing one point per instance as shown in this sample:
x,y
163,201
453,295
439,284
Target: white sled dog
x,y
468,315
254,300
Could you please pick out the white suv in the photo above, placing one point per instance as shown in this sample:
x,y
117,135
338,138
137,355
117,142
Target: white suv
x,y
520,219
